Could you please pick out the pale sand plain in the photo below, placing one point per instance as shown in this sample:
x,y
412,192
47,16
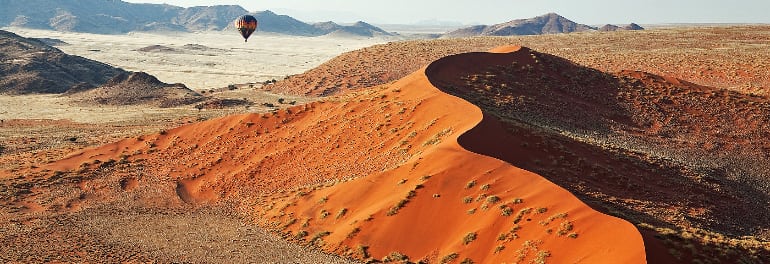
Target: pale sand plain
x,y
204,60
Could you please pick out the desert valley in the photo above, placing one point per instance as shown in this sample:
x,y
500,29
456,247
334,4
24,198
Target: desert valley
x,y
537,140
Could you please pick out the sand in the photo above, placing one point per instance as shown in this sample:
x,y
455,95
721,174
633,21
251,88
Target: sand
x,y
372,150
204,60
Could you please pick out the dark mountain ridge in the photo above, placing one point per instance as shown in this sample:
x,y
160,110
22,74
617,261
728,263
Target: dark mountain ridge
x,y
31,66
119,17
550,23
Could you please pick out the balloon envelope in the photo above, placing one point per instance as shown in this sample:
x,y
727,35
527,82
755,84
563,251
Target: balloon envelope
x,y
246,25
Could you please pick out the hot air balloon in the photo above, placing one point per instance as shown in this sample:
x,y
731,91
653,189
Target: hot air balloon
x,y
246,25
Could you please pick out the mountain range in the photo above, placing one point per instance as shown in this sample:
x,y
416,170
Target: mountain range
x,y
118,17
550,23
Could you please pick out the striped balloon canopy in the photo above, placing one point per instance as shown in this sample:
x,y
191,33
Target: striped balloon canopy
x,y
246,25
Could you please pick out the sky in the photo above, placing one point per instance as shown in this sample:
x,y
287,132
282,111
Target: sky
x,y
591,12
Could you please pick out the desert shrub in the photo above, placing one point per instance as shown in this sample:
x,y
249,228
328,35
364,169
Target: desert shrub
x,y
470,184
521,214
354,232
394,210
364,251
541,256
506,211
395,256
318,237
470,237
564,228
341,213
449,258
499,249
301,234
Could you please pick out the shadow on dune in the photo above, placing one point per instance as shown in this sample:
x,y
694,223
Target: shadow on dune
x,y
574,125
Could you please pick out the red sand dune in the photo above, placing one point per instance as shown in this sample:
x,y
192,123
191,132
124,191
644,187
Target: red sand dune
x,y
519,213
389,176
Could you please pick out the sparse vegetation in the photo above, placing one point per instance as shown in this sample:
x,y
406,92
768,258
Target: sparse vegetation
x,y
499,248
395,256
468,238
470,184
363,250
449,258
317,238
506,211
341,213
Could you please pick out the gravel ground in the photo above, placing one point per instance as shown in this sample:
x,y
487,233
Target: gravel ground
x,y
105,234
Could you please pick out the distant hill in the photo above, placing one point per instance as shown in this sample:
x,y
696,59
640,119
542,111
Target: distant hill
x,y
272,22
633,26
275,23
138,88
359,28
92,16
118,17
610,27
31,66
550,23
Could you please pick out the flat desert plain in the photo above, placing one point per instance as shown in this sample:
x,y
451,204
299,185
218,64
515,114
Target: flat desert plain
x,y
209,59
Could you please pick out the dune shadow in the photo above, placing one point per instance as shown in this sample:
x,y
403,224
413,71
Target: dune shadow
x,y
572,124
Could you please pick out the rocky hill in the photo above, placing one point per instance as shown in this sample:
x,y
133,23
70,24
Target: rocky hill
x,y
30,66
359,28
550,23
610,27
137,88
117,17
283,24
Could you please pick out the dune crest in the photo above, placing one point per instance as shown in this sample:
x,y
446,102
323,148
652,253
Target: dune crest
x,y
449,203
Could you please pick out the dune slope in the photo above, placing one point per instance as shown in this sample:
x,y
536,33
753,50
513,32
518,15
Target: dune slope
x,y
448,203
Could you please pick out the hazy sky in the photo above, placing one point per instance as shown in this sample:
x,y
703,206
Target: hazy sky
x,y
496,11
